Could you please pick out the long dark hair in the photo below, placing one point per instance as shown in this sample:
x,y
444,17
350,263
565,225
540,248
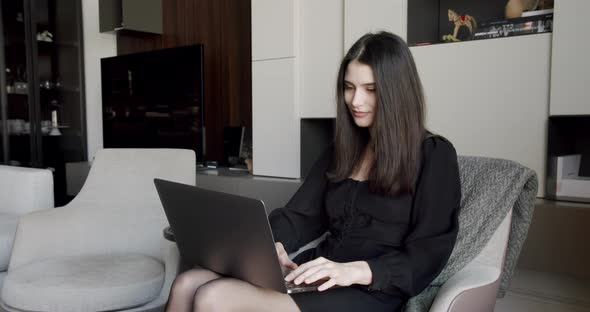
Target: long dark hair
x,y
398,126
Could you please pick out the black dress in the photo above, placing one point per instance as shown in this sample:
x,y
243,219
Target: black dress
x,y
406,240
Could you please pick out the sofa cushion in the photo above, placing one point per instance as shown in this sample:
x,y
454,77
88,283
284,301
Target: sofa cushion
x,y
8,223
84,283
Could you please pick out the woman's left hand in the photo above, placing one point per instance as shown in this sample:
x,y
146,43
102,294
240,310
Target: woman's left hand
x,y
341,274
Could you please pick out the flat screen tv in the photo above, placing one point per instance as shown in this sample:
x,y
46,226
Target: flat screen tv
x,y
154,100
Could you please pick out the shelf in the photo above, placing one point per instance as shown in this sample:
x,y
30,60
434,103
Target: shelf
x,y
15,43
451,21
561,203
61,89
466,41
54,44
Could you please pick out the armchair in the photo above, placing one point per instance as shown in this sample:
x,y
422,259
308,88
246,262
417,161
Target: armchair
x,y
104,251
22,190
498,198
496,210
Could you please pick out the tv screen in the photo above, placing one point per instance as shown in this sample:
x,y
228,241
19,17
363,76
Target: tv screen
x,y
154,99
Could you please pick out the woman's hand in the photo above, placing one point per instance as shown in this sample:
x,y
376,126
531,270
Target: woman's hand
x,y
341,274
284,259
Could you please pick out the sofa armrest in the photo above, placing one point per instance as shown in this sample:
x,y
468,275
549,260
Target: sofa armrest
x,y
171,257
24,190
76,230
40,235
474,288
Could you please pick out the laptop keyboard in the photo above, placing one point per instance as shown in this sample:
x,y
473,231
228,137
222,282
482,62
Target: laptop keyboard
x,y
316,284
293,288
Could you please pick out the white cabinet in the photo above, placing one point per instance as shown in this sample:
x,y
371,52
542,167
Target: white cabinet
x,y
275,120
490,97
327,29
275,114
570,68
361,16
272,29
320,53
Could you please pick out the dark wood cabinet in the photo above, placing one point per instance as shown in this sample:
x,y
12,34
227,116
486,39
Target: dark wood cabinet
x,y
137,15
42,121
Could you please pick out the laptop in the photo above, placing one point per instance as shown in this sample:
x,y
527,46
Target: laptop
x,y
225,233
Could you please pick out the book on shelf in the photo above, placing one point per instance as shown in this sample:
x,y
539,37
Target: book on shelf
x,y
515,26
536,12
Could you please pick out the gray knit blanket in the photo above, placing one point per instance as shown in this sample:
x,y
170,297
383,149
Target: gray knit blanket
x,y
490,187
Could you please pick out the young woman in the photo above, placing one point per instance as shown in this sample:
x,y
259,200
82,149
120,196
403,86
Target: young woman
x,y
387,192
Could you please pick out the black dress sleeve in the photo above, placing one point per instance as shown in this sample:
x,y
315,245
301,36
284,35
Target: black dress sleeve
x,y
433,226
304,218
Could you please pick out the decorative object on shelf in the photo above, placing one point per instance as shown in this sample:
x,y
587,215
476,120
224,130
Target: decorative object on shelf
x,y
569,183
16,126
9,80
517,8
45,36
249,165
55,103
21,87
515,26
54,125
46,84
45,127
18,79
461,22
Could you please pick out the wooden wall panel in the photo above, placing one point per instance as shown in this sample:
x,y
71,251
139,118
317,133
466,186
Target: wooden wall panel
x,y
223,27
236,38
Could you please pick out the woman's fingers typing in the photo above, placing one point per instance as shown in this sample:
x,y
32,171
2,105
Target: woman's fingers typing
x,y
335,273
284,259
304,267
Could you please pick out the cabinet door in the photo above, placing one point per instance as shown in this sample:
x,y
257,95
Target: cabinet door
x,y
143,15
138,15
321,47
272,29
17,113
275,121
476,98
361,16
110,15
570,67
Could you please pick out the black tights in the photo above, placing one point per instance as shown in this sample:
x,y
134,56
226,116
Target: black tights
x,y
203,290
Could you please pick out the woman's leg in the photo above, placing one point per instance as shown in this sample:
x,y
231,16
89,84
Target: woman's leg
x,y
182,292
230,294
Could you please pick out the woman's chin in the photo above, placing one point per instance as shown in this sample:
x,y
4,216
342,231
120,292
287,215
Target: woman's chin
x,y
363,122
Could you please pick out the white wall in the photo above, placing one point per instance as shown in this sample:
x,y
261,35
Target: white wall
x,y
96,46
490,97
570,73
